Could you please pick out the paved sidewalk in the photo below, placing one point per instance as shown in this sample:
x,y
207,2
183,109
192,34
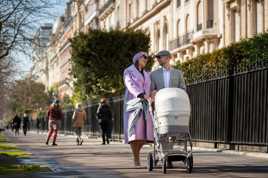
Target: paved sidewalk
x,y
93,160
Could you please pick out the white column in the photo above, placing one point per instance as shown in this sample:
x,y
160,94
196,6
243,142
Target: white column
x,y
179,58
252,18
205,13
237,25
161,34
206,46
260,17
197,50
152,37
215,44
227,24
266,15
190,52
243,18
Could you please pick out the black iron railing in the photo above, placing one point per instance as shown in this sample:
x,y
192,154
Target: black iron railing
x,y
187,38
231,109
175,43
199,27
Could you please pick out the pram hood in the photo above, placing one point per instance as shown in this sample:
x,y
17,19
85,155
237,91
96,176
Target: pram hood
x,y
172,102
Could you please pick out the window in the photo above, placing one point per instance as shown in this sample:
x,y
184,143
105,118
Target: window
x,y
165,36
157,37
178,3
199,15
187,24
129,12
235,26
118,17
178,28
137,8
210,13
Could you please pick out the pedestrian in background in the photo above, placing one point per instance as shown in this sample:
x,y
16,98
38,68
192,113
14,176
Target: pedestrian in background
x,y
54,115
38,120
38,124
26,123
79,118
16,124
104,116
44,123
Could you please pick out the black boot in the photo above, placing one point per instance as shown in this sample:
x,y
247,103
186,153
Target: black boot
x,y
77,141
47,141
103,139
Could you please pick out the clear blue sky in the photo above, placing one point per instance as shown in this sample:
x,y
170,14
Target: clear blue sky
x,y
24,63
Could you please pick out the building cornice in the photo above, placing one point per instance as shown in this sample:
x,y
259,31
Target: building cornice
x,y
148,14
106,9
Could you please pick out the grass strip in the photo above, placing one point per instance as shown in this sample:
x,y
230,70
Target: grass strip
x,y
9,163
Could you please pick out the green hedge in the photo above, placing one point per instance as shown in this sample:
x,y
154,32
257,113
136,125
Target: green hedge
x,y
243,56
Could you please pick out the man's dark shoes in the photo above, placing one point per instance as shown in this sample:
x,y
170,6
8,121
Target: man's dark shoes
x,y
54,144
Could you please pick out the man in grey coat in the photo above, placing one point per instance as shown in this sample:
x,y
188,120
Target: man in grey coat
x,y
165,77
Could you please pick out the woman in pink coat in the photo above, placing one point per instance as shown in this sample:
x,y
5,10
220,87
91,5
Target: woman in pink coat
x,y
137,82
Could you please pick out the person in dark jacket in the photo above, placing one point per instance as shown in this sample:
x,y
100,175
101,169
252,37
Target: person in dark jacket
x,y
54,115
17,124
38,124
104,116
26,123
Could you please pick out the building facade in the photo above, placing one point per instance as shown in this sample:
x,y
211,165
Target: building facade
x,y
187,28
40,44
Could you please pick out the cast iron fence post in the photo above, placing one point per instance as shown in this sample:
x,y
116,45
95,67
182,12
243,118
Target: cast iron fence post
x,y
231,72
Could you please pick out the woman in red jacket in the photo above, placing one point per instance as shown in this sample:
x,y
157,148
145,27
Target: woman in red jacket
x,y
54,115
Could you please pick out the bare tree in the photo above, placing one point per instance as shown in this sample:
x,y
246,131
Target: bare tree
x,y
19,19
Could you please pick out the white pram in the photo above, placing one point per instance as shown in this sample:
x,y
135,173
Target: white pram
x,y
171,129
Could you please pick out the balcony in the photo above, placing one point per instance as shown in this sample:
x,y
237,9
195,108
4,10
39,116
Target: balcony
x,y
157,7
181,41
106,9
186,39
175,43
199,27
205,33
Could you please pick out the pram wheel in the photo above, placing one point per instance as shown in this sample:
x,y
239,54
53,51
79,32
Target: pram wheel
x,y
150,162
189,164
164,166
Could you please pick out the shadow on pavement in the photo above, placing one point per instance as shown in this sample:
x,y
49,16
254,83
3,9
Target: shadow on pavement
x,y
233,169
